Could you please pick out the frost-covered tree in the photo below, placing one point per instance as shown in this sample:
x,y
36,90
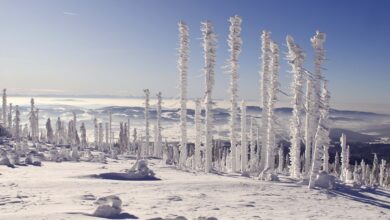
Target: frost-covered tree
x,y
296,58
280,159
106,126
100,134
9,124
337,164
58,131
128,135
74,121
157,144
49,131
313,96
374,175
209,52
72,136
110,139
344,157
182,66
145,151
4,113
96,132
382,170
321,136
17,124
266,59
234,43
272,91
363,167
83,135
33,118
244,142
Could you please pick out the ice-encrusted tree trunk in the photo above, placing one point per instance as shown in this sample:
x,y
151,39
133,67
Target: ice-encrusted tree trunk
x,y
313,97
17,124
145,152
252,141
309,125
182,65
266,57
325,166
4,109
244,142
344,157
234,43
272,91
198,135
296,58
322,135
157,144
209,52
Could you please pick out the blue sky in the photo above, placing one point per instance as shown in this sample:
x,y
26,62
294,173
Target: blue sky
x,y
120,47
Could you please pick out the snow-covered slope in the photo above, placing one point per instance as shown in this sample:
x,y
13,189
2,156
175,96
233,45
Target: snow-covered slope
x,y
63,191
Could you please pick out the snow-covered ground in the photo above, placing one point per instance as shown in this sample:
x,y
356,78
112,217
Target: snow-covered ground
x,y
63,191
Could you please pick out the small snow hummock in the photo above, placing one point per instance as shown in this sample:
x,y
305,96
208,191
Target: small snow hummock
x,y
141,168
139,172
108,207
325,180
4,160
268,175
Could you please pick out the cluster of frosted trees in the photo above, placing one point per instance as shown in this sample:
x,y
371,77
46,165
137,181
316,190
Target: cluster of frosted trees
x,y
255,149
377,174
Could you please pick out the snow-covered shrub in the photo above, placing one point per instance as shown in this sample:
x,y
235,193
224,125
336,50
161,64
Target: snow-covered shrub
x,y
4,160
325,180
268,175
108,207
141,170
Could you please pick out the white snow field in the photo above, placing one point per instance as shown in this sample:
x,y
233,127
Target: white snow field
x,y
65,191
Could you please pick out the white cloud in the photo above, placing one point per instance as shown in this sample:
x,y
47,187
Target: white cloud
x,y
69,13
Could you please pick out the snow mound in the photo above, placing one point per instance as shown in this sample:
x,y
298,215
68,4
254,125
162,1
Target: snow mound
x,y
141,169
139,172
324,180
31,159
268,175
4,160
14,158
108,207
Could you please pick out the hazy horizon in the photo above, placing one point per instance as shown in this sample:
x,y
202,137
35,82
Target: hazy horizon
x,y
119,48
